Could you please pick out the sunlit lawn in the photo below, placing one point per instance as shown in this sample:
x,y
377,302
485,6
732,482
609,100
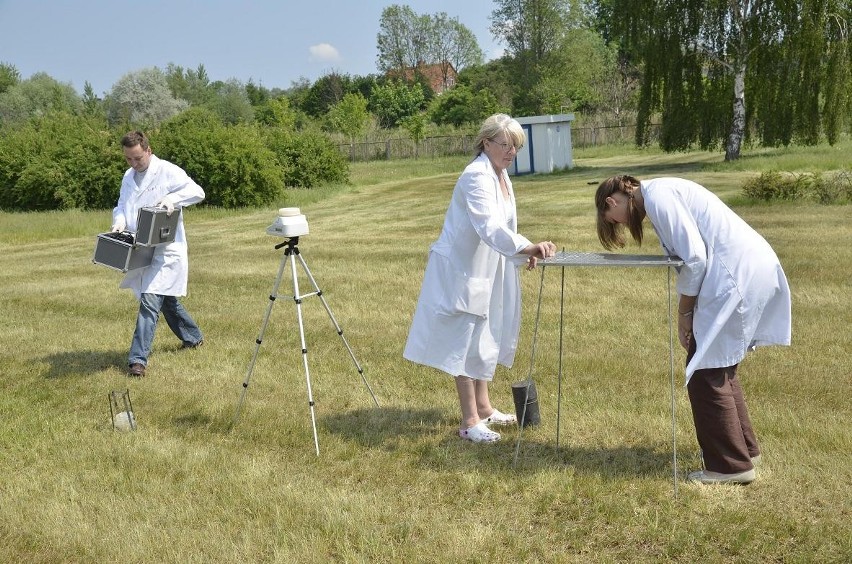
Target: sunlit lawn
x,y
394,483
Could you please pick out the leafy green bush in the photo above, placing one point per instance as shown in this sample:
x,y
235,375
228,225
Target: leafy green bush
x,y
231,163
60,161
309,158
825,188
833,188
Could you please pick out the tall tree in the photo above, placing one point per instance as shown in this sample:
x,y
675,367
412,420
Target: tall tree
x,y
38,95
408,40
531,30
9,76
91,102
402,40
142,98
452,45
689,47
192,85
349,116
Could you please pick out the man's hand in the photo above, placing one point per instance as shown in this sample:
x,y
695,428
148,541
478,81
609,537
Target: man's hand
x,y
167,204
118,226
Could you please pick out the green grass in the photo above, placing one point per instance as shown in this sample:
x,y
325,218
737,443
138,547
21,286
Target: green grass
x,y
394,483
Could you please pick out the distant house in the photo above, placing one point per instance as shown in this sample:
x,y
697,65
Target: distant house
x,y
440,77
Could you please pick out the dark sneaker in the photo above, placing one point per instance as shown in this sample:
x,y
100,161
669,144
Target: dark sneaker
x,y
188,345
137,370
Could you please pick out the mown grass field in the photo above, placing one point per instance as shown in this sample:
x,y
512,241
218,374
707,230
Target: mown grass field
x,y
395,483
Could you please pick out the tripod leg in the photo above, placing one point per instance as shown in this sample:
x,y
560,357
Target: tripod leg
x,y
336,327
259,339
298,299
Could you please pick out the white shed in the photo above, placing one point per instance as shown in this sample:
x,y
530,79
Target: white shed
x,y
548,145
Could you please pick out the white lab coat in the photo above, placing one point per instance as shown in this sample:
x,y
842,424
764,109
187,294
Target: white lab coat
x,y
743,297
169,270
468,314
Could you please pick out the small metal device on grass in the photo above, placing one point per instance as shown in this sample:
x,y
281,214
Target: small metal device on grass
x,y
121,411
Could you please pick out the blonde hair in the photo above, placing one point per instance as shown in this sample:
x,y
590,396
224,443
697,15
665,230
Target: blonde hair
x,y
611,235
495,125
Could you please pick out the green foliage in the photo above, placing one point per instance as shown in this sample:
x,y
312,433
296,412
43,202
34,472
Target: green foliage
x,y
531,30
449,42
779,57
824,188
495,76
190,85
325,93
308,158
60,161
579,74
9,76
142,99
37,96
276,112
415,126
394,101
231,103
402,41
461,105
349,116
232,163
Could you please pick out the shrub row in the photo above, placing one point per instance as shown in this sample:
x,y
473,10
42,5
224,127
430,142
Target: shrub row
x,y
825,188
64,161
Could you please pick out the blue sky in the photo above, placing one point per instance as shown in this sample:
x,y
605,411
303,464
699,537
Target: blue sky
x,y
273,43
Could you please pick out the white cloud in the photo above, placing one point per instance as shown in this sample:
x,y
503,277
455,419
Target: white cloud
x,y
324,53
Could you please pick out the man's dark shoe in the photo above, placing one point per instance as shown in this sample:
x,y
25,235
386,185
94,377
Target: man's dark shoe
x,y
137,370
188,345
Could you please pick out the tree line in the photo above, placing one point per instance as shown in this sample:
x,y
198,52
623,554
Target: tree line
x,y
714,75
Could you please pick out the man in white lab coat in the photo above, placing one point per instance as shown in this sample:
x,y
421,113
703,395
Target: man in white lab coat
x,y
733,297
153,182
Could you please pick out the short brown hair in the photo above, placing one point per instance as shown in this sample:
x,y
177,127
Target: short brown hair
x,y
134,138
611,235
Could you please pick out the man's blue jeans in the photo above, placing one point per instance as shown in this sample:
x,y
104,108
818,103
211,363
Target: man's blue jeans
x,y
176,316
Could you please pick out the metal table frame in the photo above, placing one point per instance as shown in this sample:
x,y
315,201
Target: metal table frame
x,y
566,259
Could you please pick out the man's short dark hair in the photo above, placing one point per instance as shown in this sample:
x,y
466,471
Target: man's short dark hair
x,y
134,138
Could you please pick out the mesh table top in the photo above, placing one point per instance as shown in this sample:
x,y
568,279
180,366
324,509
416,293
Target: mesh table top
x,y
577,258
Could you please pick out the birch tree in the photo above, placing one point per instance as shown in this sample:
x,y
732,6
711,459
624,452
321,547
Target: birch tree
x,y
690,48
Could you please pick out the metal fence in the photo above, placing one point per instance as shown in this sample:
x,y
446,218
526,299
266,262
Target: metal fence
x,y
440,146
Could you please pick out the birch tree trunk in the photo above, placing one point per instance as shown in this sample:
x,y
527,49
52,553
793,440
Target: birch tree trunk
x,y
735,137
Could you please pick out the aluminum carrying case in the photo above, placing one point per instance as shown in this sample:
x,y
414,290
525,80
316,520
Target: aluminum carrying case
x,y
120,251
128,251
155,227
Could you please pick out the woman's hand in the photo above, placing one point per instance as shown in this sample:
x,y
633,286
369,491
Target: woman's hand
x,y
685,310
542,250
684,329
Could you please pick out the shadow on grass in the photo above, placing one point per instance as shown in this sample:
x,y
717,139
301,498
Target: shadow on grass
x,y
430,435
82,363
607,462
647,171
386,427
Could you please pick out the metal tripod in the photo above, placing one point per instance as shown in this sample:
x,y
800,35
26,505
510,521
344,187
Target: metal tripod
x,y
292,251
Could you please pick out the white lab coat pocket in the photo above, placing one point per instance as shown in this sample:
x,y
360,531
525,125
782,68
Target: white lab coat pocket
x,y
466,294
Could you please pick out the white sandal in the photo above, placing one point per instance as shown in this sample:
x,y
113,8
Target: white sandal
x,y
499,418
479,433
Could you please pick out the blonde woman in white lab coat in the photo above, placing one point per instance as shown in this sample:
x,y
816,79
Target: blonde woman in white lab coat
x,y
468,314
733,297
148,182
